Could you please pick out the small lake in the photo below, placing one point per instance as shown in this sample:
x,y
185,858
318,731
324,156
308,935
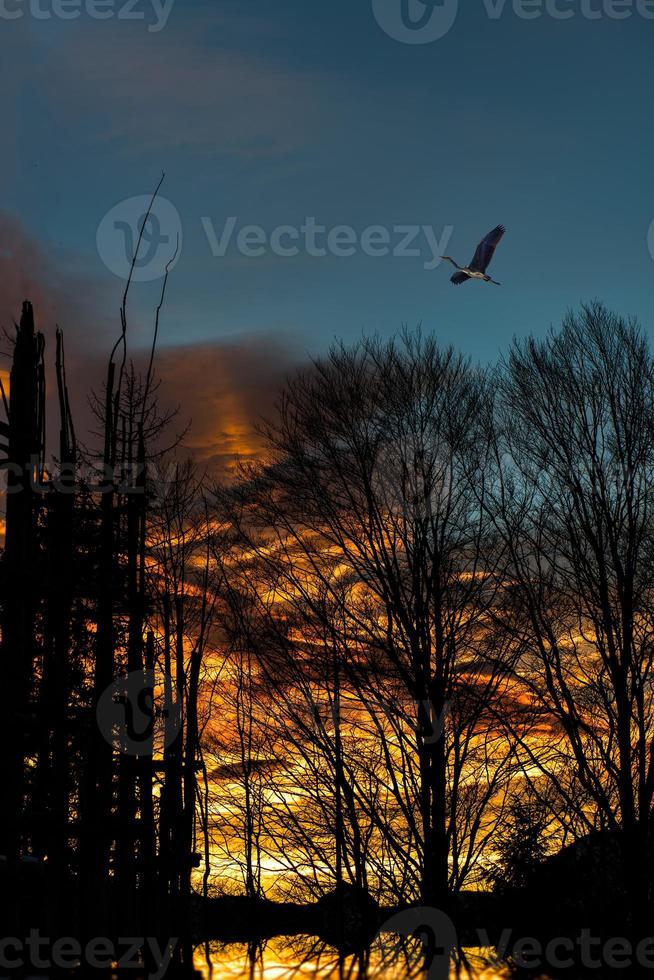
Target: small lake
x,y
286,957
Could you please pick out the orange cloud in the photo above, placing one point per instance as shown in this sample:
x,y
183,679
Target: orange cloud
x,y
224,389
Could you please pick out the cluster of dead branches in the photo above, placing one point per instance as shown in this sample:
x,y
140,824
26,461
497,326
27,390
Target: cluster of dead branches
x,y
438,593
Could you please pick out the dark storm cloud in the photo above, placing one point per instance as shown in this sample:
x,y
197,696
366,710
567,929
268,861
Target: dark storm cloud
x,y
58,288
62,295
222,387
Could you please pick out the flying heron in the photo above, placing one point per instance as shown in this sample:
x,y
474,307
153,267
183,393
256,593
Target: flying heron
x,y
481,259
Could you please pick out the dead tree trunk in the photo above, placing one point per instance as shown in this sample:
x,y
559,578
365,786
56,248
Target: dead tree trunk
x,y
25,434
98,790
55,776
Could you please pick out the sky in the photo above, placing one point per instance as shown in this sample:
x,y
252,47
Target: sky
x,y
283,114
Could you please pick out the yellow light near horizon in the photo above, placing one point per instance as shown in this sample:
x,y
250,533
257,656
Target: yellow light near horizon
x,y
284,957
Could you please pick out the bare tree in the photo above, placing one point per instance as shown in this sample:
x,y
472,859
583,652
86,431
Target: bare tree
x,y
182,620
574,505
368,479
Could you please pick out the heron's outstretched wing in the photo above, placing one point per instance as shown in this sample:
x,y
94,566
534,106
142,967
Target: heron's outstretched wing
x,y
486,249
459,277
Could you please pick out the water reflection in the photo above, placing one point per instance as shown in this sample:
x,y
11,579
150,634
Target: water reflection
x,y
391,957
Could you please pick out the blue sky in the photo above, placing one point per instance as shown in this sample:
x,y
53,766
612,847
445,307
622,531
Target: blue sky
x,y
274,111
